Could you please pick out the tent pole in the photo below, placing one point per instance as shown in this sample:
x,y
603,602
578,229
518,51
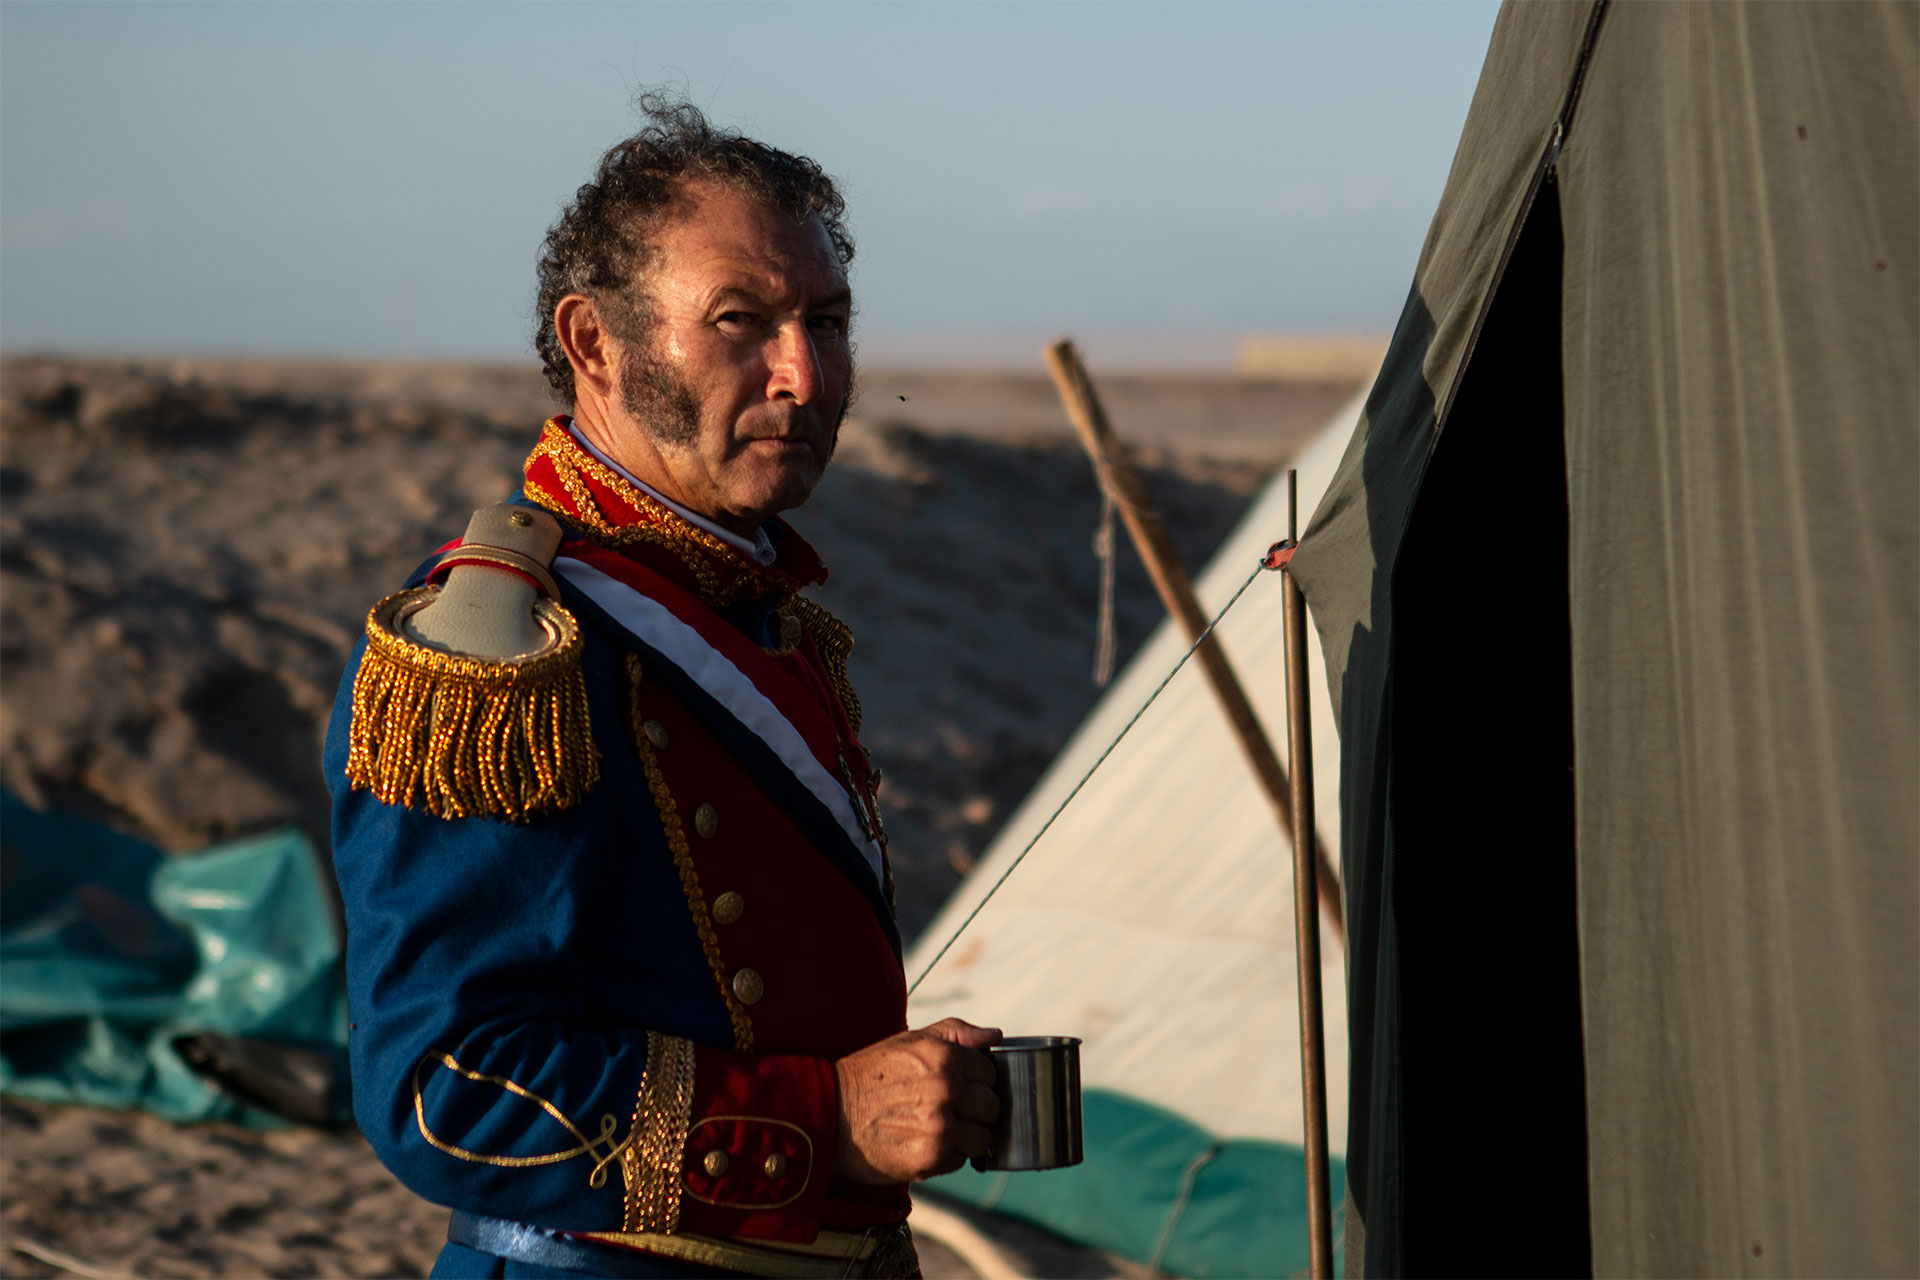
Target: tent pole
x,y
1306,925
1176,592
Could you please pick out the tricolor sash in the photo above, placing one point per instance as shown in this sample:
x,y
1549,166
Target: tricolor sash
x,y
762,711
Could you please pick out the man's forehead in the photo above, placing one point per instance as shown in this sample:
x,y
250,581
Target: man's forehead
x,y
730,239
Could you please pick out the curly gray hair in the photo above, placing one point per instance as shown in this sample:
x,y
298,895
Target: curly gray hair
x,y
601,243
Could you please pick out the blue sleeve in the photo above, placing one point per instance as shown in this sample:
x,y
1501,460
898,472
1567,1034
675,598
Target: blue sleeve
x,y
489,1075
537,1031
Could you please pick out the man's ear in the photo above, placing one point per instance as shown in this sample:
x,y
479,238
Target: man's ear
x,y
588,344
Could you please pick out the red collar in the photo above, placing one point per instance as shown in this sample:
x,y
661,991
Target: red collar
x,y
599,504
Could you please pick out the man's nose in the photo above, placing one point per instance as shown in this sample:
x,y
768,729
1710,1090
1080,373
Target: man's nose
x,y
796,373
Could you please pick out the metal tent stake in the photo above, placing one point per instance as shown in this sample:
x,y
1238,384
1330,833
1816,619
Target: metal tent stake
x,y
1306,921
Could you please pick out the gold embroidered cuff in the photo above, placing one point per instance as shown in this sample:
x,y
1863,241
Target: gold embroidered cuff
x,y
657,1138
469,737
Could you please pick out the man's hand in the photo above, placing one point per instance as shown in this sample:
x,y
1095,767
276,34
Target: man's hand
x,y
916,1104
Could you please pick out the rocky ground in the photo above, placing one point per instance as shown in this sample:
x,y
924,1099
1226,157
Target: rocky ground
x,y
188,548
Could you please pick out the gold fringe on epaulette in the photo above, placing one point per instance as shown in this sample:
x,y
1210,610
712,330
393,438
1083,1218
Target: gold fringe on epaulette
x,y
464,737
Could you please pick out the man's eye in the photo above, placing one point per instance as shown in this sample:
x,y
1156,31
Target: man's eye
x,y
737,319
829,324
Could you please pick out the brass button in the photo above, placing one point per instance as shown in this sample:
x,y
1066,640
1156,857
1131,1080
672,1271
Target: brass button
x,y
706,820
728,907
656,734
521,519
776,1165
789,630
749,986
715,1163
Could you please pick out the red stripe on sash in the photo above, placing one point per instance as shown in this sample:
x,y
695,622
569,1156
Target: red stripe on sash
x,y
794,696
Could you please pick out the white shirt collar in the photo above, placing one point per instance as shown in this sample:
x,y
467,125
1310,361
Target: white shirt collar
x,y
760,546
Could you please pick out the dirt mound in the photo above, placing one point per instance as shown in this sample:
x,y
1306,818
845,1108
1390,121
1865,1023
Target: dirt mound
x,y
187,554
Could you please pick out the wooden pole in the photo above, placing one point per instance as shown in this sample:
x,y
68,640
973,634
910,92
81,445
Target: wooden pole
x,y
1313,1054
1176,591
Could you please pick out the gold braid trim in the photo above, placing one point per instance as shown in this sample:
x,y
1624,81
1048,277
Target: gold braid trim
x,y
470,737
538,495
584,1145
555,443
651,1164
834,639
683,861
704,555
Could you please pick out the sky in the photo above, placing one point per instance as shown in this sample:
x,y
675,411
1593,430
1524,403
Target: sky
x,y
374,179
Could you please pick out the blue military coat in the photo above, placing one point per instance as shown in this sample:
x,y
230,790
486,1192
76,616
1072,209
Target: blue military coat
x,y
611,920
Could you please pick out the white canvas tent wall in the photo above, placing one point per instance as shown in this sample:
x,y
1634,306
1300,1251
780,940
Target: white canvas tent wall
x,y
1155,921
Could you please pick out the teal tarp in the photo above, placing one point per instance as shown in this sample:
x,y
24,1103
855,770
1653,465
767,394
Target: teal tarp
x,y
1161,1190
112,954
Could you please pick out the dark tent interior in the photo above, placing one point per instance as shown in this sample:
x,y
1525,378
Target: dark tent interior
x,y
1619,588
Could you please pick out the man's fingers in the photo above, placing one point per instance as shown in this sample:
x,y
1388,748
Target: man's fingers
x,y
971,1139
965,1034
970,1044
917,1104
975,1068
978,1103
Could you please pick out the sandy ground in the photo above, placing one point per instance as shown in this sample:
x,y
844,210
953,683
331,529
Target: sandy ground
x,y
187,549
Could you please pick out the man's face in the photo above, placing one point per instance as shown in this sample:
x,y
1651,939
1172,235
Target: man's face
x,y
732,399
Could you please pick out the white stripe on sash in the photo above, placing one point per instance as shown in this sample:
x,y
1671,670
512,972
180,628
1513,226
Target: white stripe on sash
x,y
684,646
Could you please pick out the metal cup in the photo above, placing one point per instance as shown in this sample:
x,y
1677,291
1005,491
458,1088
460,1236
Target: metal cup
x,y
1037,1079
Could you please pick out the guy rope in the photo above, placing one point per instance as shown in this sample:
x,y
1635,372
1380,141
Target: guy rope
x,y
1291,796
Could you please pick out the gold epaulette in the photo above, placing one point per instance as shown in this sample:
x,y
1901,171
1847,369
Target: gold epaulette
x,y
464,737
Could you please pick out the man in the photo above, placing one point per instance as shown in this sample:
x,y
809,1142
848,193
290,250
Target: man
x,y
624,973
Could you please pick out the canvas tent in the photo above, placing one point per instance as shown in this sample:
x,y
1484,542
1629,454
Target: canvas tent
x,y
1155,920
1617,586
